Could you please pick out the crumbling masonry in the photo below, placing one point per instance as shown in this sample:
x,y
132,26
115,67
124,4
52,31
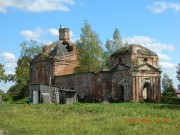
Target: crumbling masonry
x,y
134,74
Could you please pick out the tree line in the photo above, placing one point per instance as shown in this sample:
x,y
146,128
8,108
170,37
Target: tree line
x,y
92,57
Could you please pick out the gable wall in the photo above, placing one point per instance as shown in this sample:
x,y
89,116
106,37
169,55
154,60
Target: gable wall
x,y
139,78
41,72
152,60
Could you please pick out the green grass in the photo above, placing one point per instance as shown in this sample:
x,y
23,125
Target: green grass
x,y
90,119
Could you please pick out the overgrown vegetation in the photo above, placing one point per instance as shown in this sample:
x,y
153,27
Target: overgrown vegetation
x,y
4,96
135,63
112,45
2,72
90,119
5,77
168,94
90,50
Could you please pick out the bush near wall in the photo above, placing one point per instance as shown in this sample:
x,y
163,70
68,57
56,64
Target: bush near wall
x,y
4,97
170,100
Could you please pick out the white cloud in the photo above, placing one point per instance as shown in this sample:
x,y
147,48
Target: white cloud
x,y
11,65
161,7
38,33
71,34
159,47
54,32
9,61
167,65
139,40
35,34
8,57
163,57
150,43
36,5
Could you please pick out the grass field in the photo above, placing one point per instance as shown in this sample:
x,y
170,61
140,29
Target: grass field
x,y
90,119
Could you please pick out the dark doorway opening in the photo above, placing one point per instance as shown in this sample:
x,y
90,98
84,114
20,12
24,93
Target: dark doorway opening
x,y
146,91
121,93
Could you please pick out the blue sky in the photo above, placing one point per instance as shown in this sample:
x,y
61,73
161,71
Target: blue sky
x,y
154,24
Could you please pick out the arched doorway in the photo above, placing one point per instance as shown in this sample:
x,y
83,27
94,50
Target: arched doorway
x,y
121,93
146,91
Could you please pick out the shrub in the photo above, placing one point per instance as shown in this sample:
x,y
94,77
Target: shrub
x,y
5,97
170,100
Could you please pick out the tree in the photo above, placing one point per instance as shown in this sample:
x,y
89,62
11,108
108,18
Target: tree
x,y
29,49
167,85
113,45
90,50
2,73
22,75
14,92
178,75
3,76
4,95
1,92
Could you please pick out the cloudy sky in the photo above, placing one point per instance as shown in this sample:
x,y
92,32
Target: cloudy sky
x,y
154,24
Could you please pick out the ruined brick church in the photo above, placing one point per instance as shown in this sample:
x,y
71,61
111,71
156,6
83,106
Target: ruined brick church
x,y
134,74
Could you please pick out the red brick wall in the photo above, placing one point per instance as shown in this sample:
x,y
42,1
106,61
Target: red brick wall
x,y
66,64
92,86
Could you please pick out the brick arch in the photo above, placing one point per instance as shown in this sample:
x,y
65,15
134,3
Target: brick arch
x,y
147,86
